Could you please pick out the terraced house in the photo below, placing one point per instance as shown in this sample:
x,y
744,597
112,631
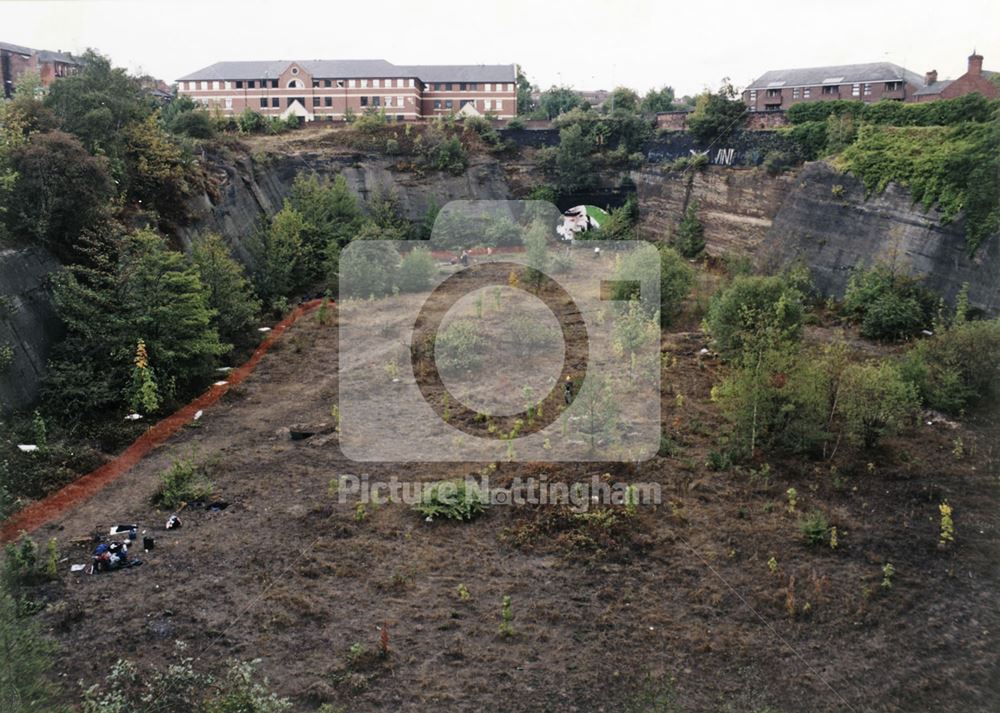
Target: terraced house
x,y
328,90
781,88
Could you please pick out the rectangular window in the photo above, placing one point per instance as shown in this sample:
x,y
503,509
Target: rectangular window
x,y
447,86
831,90
462,87
274,102
228,85
229,103
239,83
376,101
399,101
350,83
274,84
364,82
893,86
437,86
376,83
447,104
498,105
364,101
774,92
473,87
340,83
437,103
796,92
805,93
328,101
868,90
251,84
327,83
411,83
315,84
263,103
199,86
855,90
315,101
489,87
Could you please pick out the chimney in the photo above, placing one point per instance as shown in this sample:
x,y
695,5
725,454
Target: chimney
x,y
975,64
930,77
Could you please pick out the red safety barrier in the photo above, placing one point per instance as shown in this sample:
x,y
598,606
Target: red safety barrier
x,y
86,486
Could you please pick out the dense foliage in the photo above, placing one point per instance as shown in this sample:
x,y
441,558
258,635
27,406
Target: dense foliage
x,y
888,303
754,312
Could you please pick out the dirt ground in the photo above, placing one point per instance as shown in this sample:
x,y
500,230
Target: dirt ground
x,y
674,608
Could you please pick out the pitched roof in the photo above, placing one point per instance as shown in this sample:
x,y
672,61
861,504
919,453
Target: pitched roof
x,y
43,55
840,74
357,68
932,89
16,49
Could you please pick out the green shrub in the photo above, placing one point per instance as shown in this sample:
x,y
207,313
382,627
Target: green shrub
x,y
416,271
675,275
888,304
25,671
452,500
369,267
25,565
776,162
957,367
184,482
875,401
815,528
690,238
528,335
250,122
515,124
754,311
458,347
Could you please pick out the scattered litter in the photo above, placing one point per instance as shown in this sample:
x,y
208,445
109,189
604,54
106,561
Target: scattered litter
x,y
224,369
217,506
148,543
133,417
108,558
198,414
704,351
173,523
220,383
119,529
77,567
927,332
27,448
264,329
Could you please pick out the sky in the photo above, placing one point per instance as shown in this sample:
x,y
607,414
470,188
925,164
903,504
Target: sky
x,y
586,44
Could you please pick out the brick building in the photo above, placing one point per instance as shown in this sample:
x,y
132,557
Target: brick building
x,y
975,79
15,60
326,89
781,88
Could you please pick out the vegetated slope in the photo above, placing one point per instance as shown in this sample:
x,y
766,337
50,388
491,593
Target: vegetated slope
x,y
678,602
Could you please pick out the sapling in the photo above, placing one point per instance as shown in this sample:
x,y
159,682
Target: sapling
x,y
383,641
792,494
947,524
506,617
887,572
52,559
463,593
772,565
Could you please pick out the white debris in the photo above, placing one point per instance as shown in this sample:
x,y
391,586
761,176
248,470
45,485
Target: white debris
x,y
133,417
224,369
220,383
77,567
198,414
27,448
927,332
264,329
704,351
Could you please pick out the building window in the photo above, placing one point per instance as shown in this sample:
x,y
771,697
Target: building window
x,y
239,83
315,84
893,86
315,101
831,89
364,101
364,82
327,83
376,101
463,102
805,93
411,83
274,102
229,103
855,90
796,93
274,83
868,90
328,101
498,104
251,84
295,84
295,70
376,83
350,83
263,102
340,83
437,103
447,86
447,104
774,92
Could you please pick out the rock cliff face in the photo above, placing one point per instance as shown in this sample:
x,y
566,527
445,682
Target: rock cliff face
x,y
814,214
28,323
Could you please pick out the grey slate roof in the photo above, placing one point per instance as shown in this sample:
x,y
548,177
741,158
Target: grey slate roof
x,y
841,74
935,88
357,68
43,55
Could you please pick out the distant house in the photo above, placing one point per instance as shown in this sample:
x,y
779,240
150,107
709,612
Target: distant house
x,y
330,89
781,88
15,60
975,79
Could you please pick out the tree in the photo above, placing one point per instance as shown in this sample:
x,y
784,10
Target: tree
x,y
573,167
557,100
889,303
369,267
754,314
657,100
143,394
690,240
156,175
717,114
525,103
24,666
165,304
416,270
277,254
230,296
597,408
622,99
876,402
674,274
59,191
537,252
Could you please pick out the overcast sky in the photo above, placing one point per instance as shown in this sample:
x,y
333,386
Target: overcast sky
x,y
586,44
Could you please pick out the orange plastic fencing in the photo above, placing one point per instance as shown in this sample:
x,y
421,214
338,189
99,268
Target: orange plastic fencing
x,y
58,503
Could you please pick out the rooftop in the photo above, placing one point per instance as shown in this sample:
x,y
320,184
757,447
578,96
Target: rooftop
x,y
43,55
357,68
841,74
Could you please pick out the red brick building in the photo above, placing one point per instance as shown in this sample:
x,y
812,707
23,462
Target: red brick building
x,y
781,88
325,90
975,79
15,60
